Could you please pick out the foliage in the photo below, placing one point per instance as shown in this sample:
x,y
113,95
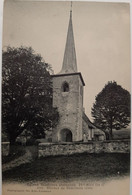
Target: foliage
x,y
26,93
111,109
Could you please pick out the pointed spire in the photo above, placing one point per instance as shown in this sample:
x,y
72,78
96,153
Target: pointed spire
x,y
71,7
69,60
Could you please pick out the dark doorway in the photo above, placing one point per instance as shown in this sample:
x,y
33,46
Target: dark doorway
x,y
66,135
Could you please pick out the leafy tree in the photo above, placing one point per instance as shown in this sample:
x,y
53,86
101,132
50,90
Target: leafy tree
x,y
26,93
111,109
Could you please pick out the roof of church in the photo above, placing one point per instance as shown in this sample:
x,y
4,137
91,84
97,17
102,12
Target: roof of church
x,y
69,66
69,60
69,74
98,132
92,126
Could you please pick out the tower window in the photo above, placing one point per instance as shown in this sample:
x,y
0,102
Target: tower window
x,y
65,87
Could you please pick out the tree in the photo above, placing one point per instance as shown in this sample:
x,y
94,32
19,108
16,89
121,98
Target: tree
x,y
111,109
26,93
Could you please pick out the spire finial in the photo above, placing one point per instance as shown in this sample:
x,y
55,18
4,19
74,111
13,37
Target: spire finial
x,y
71,6
71,10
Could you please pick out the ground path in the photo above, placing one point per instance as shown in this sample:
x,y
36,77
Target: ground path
x,y
28,156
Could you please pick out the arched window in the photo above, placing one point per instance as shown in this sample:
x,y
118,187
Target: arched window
x,y
65,87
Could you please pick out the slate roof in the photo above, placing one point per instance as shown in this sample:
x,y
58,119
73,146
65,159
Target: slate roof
x,y
69,60
92,126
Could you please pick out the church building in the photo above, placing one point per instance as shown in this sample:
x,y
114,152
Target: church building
x,y
68,91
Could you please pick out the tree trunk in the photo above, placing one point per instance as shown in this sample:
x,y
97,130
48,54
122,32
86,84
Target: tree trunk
x,y
12,143
111,124
107,135
111,134
12,140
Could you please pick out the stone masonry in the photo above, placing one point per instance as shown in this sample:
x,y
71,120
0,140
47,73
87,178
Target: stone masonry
x,y
69,104
114,146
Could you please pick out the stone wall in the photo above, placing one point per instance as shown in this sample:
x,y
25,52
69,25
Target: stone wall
x,y
5,148
114,146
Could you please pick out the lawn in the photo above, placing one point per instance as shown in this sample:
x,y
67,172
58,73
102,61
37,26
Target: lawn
x,y
121,134
67,168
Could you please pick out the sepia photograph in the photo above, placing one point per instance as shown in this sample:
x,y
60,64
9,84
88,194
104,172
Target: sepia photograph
x,y
66,102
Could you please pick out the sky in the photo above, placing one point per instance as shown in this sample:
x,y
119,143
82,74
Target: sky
x,y
101,34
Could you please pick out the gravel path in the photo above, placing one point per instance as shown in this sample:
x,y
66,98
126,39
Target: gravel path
x,y
27,157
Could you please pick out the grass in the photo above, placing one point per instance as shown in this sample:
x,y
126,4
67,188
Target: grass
x,y
121,134
65,168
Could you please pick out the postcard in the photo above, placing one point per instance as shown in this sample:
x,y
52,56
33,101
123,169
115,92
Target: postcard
x,y
66,121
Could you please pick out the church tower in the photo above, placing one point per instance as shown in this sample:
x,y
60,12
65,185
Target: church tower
x,y
68,94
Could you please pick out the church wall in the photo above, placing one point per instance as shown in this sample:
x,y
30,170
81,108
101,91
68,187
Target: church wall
x,y
87,133
69,105
80,110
